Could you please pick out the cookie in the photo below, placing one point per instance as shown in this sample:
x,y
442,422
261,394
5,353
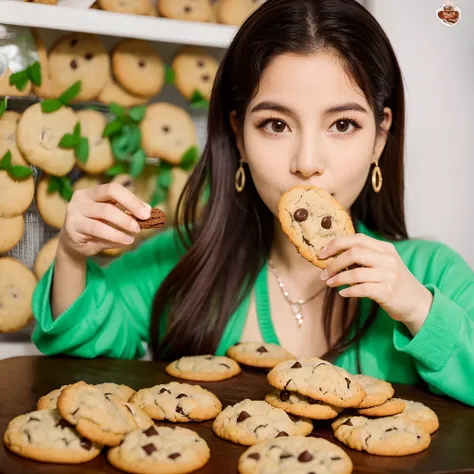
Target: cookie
x,y
295,454
45,90
377,391
235,12
421,414
251,421
191,10
5,88
393,406
138,67
100,158
389,436
17,284
160,449
133,7
44,436
317,379
79,57
300,405
177,402
51,206
179,178
38,137
86,182
156,220
195,70
45,257
44,2
203,368
115,93
12,232
102,418
311,218
142,420
16,196
8,128
168,132
259,354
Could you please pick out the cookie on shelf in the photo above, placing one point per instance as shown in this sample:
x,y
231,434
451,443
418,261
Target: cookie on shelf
x,y
235,12
189,10
12,232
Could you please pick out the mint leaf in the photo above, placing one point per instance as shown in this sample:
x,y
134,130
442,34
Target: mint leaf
x,y
65,189
134,136
189,158
3,106
137,113
118,168
34,73
120,147
117,110
111,128
197,97
82,150
165,179
70,94
20,173
158,197
138,163
53,184
19,80
198,101
170,75
77,130
68,141
50,105
6,161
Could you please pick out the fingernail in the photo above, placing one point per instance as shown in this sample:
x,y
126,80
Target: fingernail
x,y
134,226
330,281
145,212
128,239
324,275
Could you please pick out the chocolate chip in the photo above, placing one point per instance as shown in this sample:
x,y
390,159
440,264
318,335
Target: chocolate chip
x,y
301,214
348,382
107,396
312,401
243,416
286,456
150,431
225,365
88,56
284,395
281,434
187,9
326,223
73,64
336,458
255,456
86,444
65,441
390,429
141,63
182,395
166,129
206,77
149,448
296,365
163,390
305,457
179,410
200,63
258,427
293,418
28,436
262,350
174,455
347,423
63,424
74,43
74,412
33,418
367,439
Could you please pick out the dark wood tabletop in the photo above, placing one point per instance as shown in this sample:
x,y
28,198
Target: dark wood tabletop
x,y
23,380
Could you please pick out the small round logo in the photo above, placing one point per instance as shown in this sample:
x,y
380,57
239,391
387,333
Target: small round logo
x,y
449,14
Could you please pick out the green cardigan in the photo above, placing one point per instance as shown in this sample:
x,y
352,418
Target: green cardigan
x,y
112,316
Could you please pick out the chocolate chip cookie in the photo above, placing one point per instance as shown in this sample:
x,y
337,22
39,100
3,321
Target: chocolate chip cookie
x,y
51,206
132,7
393,406
177,402
419,413
251,421
191,10
259,354
12,232
377,391
45,257
203,368
235,12
311,218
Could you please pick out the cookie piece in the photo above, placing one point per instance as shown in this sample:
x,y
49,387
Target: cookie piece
x,y
102,418
235,12
160,449
39,134
295,454
300,405
318,379
132,7
100,152
389,436
168,132
44,436
45,257
177,402
79,57
45,90
115,93
195,70
391,407
51,206
50,400
259,354
16,195
156,220
12,232
377,391
138,67
419,413
17,283
203,368
251,421
190,10
311,218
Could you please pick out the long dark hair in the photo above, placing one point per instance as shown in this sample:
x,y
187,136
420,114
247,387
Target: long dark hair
x,y
228,241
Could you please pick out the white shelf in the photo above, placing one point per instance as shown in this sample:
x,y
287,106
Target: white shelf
x,y
115,24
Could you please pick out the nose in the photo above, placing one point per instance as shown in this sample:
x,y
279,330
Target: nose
x,y
309,157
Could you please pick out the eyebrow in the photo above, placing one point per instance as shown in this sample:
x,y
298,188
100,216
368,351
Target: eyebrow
x,y
276,107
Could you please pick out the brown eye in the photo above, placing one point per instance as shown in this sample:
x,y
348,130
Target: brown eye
x,y
342,126
278,126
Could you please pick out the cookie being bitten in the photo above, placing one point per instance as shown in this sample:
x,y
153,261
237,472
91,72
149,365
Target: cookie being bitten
x,y
311,218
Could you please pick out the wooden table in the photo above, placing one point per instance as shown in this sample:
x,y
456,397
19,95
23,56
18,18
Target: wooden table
x,y
24,380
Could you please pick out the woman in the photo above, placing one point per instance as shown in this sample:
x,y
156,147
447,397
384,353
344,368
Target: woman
x,y
308,93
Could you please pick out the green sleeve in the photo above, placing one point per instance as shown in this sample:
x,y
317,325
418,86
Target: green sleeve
x,y
111,317
443,349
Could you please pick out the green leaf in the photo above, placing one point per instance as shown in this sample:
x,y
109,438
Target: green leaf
x,y
138,163
50,105
65,189
120,147
77,130
158,197
137,113
6,161
197,96
19,79
170,75
53,184
189,158
134,137
200,105
165,179
34,73
68,141
70,94
117,110
82,150
3,106
112,128
20,173
118,168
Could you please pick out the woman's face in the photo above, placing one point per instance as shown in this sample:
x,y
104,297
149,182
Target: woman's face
x,y
308,124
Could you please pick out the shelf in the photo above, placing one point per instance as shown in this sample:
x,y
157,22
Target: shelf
x,y
115,24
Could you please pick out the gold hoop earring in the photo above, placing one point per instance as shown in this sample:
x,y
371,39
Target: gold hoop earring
x,y
377,179
240,178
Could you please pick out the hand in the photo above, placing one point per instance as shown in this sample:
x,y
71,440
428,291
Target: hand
x,y
380,275
93,223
